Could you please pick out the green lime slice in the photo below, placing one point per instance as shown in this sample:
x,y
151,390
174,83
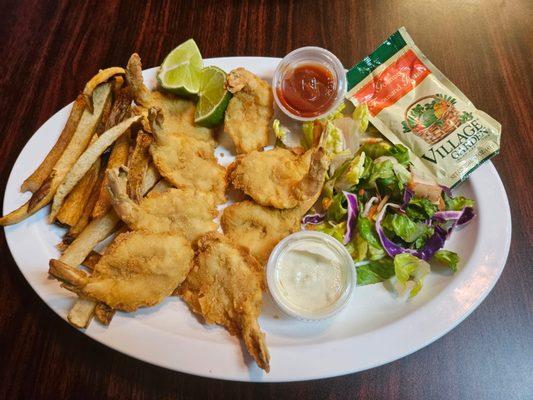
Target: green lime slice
x,y
181,69
213,98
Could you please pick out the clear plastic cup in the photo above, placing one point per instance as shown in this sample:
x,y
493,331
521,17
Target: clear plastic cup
x,y
312,238
311,55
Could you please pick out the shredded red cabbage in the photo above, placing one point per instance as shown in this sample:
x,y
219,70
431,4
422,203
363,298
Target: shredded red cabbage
x,y
446,190
458,217
351,220
407,196
313,219
434,243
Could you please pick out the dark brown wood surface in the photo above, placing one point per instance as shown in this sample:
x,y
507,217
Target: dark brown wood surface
x,y
49,49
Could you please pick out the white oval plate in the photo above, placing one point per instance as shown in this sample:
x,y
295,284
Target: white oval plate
x,y
374,329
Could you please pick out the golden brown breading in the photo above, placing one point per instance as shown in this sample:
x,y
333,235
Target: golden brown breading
x,y
258,228
249,111
184,211
138,269
178,112
187,163
224,287
278,178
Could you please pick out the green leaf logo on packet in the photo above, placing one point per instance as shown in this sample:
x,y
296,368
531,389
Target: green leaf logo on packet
x,y
412,103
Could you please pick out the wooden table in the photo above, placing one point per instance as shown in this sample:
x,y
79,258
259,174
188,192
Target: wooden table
x,y
49,49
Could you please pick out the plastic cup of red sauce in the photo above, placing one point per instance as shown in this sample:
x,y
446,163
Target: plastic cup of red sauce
x,y
309,83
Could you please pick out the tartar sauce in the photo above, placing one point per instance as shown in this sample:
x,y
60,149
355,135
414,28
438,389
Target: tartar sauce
x,y
310,276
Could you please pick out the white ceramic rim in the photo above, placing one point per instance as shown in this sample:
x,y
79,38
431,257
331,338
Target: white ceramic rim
x,y
288,363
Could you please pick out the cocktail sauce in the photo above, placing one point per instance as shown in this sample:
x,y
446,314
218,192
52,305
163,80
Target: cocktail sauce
x,y
307,90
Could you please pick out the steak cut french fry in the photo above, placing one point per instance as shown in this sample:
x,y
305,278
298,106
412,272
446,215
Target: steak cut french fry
x,y
85,216
91,260
94,233
77,201
35,180
106,112
98,229
121,108
101,77
85,161
16,216
138,163
79,142
81,313
104,313
119,154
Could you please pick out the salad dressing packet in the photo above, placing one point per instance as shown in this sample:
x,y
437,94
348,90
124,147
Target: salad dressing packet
x,y
411,102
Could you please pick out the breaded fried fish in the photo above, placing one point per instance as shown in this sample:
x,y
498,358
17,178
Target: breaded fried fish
x,y
259,228
178,112
225,288
278,177
187,163
184,211
138,269
249,111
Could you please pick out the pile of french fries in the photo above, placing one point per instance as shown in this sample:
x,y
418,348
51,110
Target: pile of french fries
x,y
103,132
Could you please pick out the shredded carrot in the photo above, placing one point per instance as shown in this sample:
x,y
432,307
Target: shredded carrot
x,y
383,202
372,212
371,140
361,192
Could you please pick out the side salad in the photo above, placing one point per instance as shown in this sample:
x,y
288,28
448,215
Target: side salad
x,y
393,224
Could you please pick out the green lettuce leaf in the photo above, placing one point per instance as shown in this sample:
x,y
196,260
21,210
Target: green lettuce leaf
x,y
334,140
448,258
366,229
308,130
406,229
375,150
351,173
401,153
375,253
361,114
390,176
409,272
375,271
336,210
420,209
358,248
280,132
457,203
337,113
337,231
381,170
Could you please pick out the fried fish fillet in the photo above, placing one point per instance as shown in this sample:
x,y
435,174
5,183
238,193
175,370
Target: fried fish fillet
x,y
225,288
249,111
178,113
187,163
183,211
278,177
259,228
138,269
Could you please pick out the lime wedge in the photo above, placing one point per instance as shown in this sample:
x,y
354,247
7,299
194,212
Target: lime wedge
x,y
181,69
213,98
